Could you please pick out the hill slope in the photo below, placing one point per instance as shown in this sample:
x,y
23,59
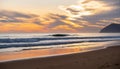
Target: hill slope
x,y
112,28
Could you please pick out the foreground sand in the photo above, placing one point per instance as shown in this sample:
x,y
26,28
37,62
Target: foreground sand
x,y
101,59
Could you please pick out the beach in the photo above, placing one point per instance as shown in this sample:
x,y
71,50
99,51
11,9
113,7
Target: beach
x,y
108,58
60,34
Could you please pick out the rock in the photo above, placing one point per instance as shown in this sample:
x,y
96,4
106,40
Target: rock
x,y
112,28
60,35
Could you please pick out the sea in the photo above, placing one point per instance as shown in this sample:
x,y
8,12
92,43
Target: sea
x,y
12,42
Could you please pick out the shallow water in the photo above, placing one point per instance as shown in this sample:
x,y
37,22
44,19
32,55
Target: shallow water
x,y
24,41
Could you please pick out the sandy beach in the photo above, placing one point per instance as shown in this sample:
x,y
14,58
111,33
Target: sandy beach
x,y
108,58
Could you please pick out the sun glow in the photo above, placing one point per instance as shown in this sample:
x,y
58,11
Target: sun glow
x,y
86,8
26,27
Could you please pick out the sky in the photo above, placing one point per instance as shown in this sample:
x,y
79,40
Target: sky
x,y
57,16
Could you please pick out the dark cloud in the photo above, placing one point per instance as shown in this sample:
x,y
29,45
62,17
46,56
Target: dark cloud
x,y
57,19
112,2
11,16
15,14
108,15
56,23
113,13
57,16
37,21
73,11
109,21
11,20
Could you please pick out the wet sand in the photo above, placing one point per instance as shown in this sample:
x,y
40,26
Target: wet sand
x,y
108,58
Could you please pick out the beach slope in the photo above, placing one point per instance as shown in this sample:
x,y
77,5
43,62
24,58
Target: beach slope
x,y
108,58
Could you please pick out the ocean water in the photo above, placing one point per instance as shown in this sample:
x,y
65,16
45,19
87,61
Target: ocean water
x,y
27,41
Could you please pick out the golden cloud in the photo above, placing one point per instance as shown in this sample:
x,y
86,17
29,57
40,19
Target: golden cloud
x,y
64,28
26,27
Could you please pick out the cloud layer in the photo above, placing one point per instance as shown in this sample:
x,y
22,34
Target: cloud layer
x,y
86,8
84,16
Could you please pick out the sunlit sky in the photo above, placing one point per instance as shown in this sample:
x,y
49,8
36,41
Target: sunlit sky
x,y
57,16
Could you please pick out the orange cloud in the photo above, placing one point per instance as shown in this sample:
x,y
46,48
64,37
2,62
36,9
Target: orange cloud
x,y
75,25
51,23
21,22
31,27
63,28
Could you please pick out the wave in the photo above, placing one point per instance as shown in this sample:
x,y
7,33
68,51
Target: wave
x,y
18,40
48,41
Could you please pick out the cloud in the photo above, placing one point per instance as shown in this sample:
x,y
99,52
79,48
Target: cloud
x,y
53,20
19,27
103,16
86,8
50,23
11,21
113,2
72,11
15,14
15,17
109,21
93,14
85,16
64,28
59,24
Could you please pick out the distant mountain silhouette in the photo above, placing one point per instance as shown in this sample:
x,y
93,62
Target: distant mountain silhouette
x,y
112,28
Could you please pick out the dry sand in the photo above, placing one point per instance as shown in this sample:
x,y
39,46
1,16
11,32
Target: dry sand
x,y
108,58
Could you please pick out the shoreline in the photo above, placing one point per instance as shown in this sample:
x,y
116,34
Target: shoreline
x,y
108,57
48,52
49,56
